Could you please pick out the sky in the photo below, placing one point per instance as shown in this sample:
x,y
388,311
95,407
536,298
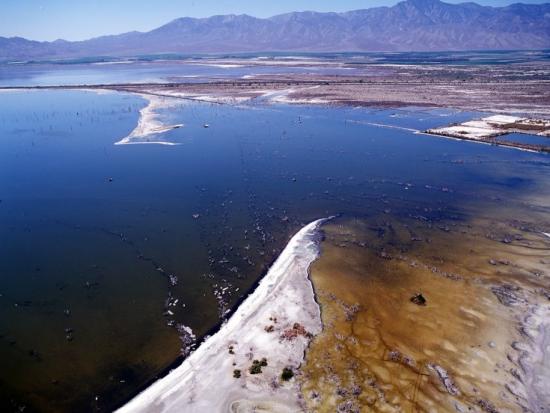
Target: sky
x,y
84,19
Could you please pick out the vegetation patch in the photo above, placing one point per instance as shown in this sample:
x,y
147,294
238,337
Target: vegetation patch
x,y
257,365
287,374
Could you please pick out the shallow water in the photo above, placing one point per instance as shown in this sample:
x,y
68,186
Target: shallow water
x,y
48,74
91,233
524,138
380,349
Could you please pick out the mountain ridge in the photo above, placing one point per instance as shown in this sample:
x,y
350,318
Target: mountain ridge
x,y
410,25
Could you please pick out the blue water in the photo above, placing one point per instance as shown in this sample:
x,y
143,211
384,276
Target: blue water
x,y
48,74
487,57
85,225
524,138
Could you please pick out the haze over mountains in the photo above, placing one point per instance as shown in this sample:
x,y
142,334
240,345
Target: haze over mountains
x,y
411,25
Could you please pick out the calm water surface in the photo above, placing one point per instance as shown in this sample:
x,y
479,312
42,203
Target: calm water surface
x,y
524,138
106,251
193,68
47,74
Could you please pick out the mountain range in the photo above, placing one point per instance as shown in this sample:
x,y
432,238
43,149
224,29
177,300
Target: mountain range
x,y
411,25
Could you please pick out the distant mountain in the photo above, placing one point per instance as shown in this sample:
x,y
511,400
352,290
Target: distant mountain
x,y
411,25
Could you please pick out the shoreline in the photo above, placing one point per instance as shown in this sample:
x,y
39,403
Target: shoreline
x,y
392,344
413,90
533,356
275,322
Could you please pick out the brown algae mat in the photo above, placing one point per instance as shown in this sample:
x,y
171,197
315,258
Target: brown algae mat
x,y
420,317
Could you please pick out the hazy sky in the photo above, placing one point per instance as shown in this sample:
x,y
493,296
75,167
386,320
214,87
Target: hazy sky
x,y
82,19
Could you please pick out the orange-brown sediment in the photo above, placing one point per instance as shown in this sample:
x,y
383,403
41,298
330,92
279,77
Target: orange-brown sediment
x,y
466,349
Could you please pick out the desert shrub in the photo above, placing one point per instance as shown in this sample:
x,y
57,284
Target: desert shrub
x,y
255,368
287,374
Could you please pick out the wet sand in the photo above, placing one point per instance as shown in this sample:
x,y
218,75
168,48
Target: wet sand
x,y
478,343
527,98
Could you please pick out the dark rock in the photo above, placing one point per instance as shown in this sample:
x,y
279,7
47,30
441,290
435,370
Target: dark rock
x,y
418,299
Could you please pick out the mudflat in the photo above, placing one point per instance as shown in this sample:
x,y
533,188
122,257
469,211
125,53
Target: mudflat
x,y
422,317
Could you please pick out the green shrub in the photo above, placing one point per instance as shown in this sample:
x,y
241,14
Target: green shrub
x,y
287,374
255,368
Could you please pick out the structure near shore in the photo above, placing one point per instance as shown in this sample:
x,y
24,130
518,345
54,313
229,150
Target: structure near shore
x,y
489,128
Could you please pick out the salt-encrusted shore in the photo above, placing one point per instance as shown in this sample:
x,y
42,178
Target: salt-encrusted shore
x,y
276,323
534,357
149,124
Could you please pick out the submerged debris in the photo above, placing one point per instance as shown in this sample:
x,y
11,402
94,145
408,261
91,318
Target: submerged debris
x,y
34,354
173,279
351,311
187,338
398,357
385,255
507,295
487,406
445,379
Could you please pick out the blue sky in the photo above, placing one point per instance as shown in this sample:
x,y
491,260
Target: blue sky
x,y
82,19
